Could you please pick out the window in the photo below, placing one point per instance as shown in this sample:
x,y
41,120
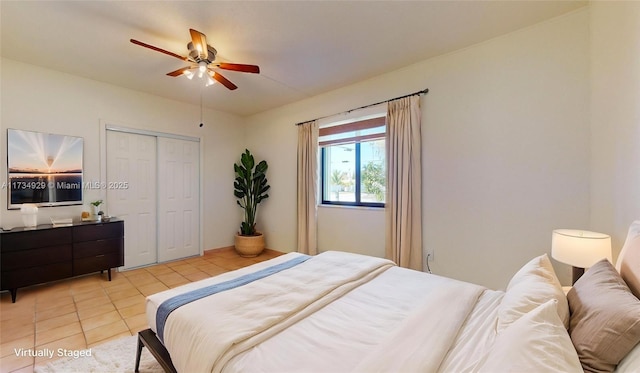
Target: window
x,y
353,163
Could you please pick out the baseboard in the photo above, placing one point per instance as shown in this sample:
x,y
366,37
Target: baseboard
x,y
228,248
218,249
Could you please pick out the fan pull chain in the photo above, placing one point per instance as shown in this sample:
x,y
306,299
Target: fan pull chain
x,y
201,122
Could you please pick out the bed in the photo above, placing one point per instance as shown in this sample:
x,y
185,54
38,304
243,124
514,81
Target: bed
x,y
341,312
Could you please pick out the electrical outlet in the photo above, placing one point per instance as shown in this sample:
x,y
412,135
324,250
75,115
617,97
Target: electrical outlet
x,y
430,256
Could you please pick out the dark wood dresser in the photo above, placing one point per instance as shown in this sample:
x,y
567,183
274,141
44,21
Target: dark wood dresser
x,y
45,253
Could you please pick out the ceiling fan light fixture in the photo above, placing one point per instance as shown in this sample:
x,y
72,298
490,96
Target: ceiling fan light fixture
x,y
209,81
202,68
188,74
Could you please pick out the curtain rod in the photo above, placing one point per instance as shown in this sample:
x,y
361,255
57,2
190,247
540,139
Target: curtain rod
x,y
423,92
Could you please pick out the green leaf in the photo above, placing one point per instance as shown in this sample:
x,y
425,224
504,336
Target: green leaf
x,y
262,167
247,160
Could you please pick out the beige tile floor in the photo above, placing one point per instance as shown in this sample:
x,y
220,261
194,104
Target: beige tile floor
x,y
79,313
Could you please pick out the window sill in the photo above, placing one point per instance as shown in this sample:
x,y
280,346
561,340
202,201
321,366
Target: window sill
x,y
351,207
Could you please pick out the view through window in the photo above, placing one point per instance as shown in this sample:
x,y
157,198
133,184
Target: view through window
x,y
353,163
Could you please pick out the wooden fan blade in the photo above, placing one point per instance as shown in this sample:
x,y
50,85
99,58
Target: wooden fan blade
x,y
134,41
224,81
199,43
179,71
239,67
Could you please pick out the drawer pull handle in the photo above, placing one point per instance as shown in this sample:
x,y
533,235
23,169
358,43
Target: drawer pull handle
x,y
99,256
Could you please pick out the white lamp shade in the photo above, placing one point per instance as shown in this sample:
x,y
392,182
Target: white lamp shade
x,y
580,248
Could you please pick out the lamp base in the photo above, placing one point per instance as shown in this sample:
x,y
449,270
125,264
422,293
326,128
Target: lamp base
x,y
577,273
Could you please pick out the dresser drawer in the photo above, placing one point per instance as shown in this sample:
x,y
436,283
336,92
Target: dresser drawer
x,y
93,232
35,275
96,263
24,240
35,257
93,248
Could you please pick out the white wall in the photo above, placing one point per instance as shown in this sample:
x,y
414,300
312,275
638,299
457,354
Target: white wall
x,y
38,99
615,118
357,230
505,158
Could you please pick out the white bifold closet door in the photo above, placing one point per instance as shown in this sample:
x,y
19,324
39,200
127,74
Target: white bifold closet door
x,y
161,204
178,199
132,159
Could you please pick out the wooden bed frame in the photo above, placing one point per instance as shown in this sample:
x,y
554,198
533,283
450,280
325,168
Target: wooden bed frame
x,y
147,338
628,264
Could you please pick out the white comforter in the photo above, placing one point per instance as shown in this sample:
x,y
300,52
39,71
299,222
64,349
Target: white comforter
x,y
337,312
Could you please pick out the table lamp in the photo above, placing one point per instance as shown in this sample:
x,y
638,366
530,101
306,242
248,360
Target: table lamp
x,y
580,249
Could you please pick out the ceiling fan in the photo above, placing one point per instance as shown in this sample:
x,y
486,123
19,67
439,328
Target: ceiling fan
x,y
202,58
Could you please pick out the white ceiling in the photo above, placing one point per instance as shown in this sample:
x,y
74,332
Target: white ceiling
x,y
304,48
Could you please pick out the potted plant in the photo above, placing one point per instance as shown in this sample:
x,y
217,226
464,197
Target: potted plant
x,y
95,209
250,188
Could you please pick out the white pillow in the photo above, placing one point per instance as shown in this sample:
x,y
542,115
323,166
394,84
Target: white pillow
x,y
631,362
536,342
534,284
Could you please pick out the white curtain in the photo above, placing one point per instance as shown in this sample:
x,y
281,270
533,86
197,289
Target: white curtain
x,y
307,187
403,205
